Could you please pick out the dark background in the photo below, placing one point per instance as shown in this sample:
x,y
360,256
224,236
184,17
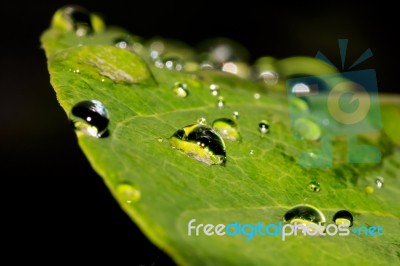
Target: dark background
x,y
55,203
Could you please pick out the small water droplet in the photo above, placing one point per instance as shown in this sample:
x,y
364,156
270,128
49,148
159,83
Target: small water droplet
x,y
102,80
369,189
298,105
90,117
202,121
263,127
122,42
128,193
200,142
227,128
251,152
379,182
301,89
235,115
76,71
214,89
180,89
160,139
307,129
306,215
269,77
220,102
257,96
314,186
343,217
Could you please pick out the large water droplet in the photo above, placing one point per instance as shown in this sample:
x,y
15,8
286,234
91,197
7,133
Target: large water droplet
x,y
180,89
77,19
128,193
379,182
90,117
227,128
307,129
263,127
314,186
343,217
307,215
200,142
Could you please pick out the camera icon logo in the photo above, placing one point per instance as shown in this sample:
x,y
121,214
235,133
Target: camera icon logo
x,y
327,108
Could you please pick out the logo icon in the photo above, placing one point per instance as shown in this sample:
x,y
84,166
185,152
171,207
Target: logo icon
x,y
328,107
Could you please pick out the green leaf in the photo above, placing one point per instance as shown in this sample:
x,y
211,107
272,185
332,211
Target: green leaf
x,y
162,188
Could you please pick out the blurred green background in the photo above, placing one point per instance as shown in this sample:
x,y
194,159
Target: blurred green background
x,y
52,193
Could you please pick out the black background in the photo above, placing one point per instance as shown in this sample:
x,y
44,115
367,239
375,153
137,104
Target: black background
x,y
55,203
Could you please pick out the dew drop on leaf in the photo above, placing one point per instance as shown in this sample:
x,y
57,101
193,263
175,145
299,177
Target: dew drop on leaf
x,y
343,217
200,142
379,182
180,90
235,115
90,118
314,186
214,89
227,128
128,193
306,215
307,129
263,127
220,102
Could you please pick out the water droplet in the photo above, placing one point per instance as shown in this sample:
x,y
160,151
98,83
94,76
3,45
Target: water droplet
x,y
379,182
214,89
269,77
202,121
227,128
122,42
257,96
235,115
343,217
77,19
263,127
160,139
180,89
220,102
251,152
128,193
314,186
90,117
369,189
200,142
307,129
306,215
301,89
298,104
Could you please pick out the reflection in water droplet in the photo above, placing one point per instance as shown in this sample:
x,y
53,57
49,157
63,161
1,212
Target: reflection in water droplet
x,y
180,89
128,193
379,182
214,89
235,115
308,216
90,118
301,89
314,186
257,96
307,129
220,102
200,142
263,127
227,128
343,217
